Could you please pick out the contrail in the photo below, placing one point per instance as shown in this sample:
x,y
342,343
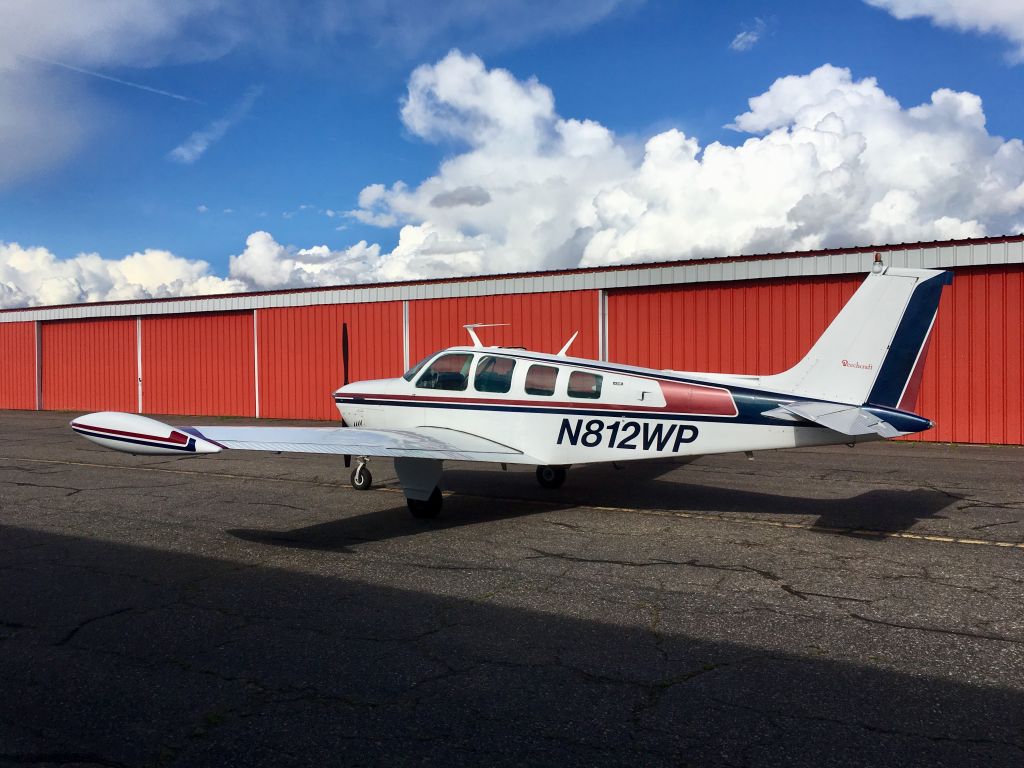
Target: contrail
x,y
195,145
118,80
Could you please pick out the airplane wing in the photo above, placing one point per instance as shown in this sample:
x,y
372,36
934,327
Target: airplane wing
x,y
132,433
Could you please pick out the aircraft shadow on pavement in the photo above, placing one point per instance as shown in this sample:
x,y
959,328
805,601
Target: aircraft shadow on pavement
x,y
128,655
634,486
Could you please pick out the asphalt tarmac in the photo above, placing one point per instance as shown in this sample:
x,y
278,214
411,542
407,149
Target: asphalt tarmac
x,y
828,606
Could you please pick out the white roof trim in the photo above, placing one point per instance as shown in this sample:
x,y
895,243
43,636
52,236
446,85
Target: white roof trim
x,y
967,254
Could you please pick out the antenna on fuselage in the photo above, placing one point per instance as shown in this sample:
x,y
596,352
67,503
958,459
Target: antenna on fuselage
x,y
563,350
472,333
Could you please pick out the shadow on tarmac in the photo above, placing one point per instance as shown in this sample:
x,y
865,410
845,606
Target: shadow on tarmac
x,y
633,486
122,655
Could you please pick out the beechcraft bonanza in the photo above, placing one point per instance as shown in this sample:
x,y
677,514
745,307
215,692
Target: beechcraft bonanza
x,y
859,382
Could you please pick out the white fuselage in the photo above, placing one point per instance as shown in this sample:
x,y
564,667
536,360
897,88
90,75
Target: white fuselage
x,y
635,414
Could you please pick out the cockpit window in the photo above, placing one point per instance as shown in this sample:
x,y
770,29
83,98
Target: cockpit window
x,y
584,384
494,374
448,372
411,373
540,380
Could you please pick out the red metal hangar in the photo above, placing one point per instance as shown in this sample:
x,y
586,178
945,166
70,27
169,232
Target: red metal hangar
x,y
278,354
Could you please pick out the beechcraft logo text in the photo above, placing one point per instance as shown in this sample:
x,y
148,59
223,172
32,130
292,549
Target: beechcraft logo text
x,y
865,366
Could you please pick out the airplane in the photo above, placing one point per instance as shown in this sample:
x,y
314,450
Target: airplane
x,y
504,405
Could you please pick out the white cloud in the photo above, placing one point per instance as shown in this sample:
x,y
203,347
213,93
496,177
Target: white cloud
x,y
1001,17
749,37
265,263
196,145
828,160
31,276
825,160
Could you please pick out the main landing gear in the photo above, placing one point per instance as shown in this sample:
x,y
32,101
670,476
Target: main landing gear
x,y
361,478
551,477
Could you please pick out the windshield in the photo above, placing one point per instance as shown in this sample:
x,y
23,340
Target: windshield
x,y
411,373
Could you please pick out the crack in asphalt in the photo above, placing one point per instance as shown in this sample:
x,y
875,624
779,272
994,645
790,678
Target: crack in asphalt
x,y
86,622
937,630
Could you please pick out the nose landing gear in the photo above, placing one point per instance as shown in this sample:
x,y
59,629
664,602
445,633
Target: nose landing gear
x,y
551,477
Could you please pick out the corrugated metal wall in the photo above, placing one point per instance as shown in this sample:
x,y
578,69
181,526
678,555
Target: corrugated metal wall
x,y
205,363
539,321
199,364
300,354
89,365
973,385
18,366
757,328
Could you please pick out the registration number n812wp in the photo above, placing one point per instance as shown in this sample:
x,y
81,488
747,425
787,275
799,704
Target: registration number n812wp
x,y
628,435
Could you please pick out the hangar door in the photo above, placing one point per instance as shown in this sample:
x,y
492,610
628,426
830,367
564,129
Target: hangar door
x,y
89,365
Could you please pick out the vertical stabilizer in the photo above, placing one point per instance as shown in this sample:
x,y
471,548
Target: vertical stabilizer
x,y
874,350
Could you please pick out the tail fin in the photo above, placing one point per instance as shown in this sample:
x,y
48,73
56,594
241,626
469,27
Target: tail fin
x,y
873,352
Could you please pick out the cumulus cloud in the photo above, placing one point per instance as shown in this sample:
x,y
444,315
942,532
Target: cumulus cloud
x,y
749,37
1001,17
474,195
824,160
196,145
32,276
265,264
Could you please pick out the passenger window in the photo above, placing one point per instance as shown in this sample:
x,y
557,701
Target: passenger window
x,y
448,372
540,380
494,374
583,384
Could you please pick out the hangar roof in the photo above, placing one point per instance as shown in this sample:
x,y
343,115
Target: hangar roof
x,y
984,251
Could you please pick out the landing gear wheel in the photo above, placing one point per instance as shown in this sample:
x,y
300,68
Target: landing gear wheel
x,y
551,477
361,478
426,510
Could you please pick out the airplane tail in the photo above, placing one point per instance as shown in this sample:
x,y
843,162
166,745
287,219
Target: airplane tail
x,y
873,352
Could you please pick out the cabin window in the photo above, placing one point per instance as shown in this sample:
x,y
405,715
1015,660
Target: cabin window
x,y
540,380
584,384
494,374
448,372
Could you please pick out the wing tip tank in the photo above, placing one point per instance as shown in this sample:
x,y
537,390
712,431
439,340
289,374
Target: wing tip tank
x,y
132,433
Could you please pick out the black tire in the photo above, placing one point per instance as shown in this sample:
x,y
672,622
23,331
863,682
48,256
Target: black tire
x,y
361,479
426,510
551,477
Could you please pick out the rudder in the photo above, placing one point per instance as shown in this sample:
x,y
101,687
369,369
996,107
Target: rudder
x,y
873,351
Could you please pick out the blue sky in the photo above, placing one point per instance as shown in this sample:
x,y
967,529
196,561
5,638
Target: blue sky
x,y
304,113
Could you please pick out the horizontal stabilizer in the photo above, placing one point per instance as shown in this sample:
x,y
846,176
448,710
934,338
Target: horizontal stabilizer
x,y
845,419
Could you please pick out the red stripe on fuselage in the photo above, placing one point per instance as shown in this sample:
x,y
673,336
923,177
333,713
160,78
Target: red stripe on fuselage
x,y
685,399
698,400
